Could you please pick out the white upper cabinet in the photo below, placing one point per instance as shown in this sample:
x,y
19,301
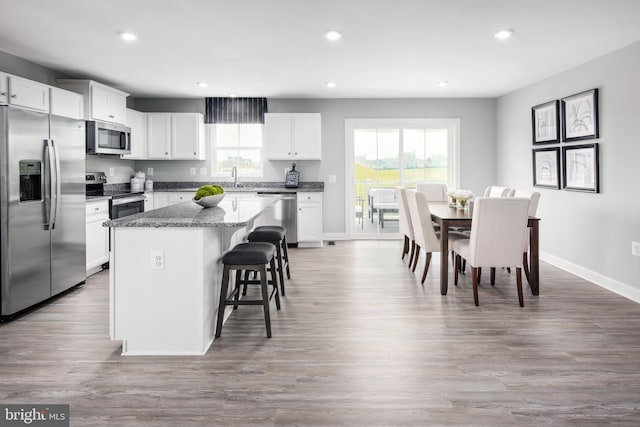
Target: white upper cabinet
x,y
159,135
4,88
294,136
108,105
67,104
28,94
187,134
137,121
102,102
176,136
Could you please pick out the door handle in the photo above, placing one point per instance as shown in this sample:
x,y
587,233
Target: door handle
x,y
57,185
48,196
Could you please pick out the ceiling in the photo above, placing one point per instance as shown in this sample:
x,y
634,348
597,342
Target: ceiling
x,y
276,48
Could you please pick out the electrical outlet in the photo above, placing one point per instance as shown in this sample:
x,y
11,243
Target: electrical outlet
x,y
332,179
203,171
112,171
635,248
150,171
192,171
157,260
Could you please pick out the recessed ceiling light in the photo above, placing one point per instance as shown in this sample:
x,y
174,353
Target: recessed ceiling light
x,y
443,83
332,35
128,36
202,84
504,34
233,95
330,84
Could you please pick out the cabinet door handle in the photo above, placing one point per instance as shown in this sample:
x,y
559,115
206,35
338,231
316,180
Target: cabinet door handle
x,y
194,153
296,153
111,116
96,209
3,93
166,153
14,96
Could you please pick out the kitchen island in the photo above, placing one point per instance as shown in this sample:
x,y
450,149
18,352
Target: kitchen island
x,y
165,272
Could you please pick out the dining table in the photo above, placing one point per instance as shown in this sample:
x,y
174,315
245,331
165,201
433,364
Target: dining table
x,y
448,216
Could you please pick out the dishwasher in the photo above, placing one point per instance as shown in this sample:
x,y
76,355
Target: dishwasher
x,y
284,213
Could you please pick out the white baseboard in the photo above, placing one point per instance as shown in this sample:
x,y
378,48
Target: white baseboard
x,y
334,236
608,283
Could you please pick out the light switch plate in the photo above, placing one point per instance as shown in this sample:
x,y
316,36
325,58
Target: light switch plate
x,y
192,171
112,171
157,260
332,179
149,171
635,248
203,171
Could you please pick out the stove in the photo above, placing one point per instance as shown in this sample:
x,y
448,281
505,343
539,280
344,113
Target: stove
x,y
122,202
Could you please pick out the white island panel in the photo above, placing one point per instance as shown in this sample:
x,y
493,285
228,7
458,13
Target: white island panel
x,y
172,310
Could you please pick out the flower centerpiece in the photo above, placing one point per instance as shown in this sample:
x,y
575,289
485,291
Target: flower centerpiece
x,y
453,201
462,197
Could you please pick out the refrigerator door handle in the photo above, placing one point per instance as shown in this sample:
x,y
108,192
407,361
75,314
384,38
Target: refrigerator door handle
x,y
55,186
49,189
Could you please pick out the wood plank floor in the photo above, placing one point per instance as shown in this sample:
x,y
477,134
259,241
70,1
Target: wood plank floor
x,y
358,342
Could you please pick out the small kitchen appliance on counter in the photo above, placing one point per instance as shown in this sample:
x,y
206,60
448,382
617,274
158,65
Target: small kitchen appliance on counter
x,y
293,178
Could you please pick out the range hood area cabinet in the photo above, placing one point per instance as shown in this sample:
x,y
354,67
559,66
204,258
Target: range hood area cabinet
x,y
175,136
104,103
293,136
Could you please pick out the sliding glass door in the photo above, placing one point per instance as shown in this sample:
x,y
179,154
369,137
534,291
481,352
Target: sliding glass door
x,y
386,153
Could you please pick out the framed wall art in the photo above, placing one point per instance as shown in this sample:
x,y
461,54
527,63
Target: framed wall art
x,y
545,123
580,116
581,168
546,167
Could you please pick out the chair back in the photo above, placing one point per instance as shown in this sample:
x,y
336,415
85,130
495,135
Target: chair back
x,y
434,192
425,236
383,195
494,191
406,226
534,198
497,231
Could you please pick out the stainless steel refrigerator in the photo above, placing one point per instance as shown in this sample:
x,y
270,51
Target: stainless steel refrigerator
x,y
42,207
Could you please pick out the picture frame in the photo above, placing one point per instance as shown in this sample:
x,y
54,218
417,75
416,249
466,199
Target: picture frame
x,y
580,170
545,123
546,167
580,116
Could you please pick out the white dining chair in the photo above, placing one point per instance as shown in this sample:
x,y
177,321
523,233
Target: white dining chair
x,y
434,192
534,199
425,235
497,238
406,227
495,191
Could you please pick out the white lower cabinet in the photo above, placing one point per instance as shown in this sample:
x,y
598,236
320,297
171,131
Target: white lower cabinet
x,y
309,219
97,236
148,201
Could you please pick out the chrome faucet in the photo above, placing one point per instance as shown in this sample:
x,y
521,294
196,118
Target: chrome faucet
x,y
234,174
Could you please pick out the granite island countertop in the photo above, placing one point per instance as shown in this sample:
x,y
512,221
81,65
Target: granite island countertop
x,y
235,210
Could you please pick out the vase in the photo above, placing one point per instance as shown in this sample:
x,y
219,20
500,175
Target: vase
x,y
462,204
453,202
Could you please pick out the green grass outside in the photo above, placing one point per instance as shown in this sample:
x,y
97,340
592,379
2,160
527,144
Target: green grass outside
x,y
383,178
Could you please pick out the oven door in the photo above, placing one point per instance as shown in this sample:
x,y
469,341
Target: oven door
x,y
126,206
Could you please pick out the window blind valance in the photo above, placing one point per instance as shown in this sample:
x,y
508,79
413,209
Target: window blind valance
x,y
235,110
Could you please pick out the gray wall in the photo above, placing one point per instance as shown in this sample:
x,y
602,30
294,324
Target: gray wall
x,y
29,70
593,231
477,141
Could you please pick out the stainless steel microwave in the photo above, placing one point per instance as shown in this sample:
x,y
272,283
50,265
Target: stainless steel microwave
x,y
108,138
